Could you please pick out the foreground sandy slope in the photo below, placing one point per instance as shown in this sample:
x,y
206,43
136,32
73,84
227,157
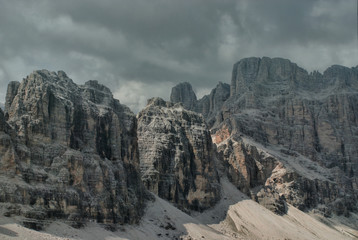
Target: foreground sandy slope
x,y
234,217
249,220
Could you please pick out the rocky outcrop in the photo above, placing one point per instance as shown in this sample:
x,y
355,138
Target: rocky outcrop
x,y
266,77
184,93
277,102
285,136
74,154
274,178
274,102
177,155
12,88
209,105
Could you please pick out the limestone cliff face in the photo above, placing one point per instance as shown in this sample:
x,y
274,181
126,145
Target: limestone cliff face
x,y
177,155
208,106
259,75
274,176
276,103
75,153
211,104
184,93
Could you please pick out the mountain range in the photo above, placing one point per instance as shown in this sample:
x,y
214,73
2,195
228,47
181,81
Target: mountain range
x,y
273,154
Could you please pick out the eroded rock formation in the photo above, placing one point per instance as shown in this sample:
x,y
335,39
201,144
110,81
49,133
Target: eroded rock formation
x,y
274,176
184,93
177,155
209,105
275,103
284,135
74,154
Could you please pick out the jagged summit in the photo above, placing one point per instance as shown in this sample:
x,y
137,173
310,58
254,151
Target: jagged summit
x,y
274,102
277,76
184,93
46,75
177,156
284,137
157,101
95,85
98,93
208,105
268,77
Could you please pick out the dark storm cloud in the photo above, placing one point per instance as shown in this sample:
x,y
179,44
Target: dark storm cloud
x,y
142,48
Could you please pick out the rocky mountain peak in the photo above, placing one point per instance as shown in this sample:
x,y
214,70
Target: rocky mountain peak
x,y
184,93
97,93
49,76
222,85
334,69
250,73
62,74
276,103
157,101
177,156
210,104
75,151
95,85
341,77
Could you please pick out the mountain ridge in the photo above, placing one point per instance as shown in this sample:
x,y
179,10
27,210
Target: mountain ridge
x,y
274,102
72,153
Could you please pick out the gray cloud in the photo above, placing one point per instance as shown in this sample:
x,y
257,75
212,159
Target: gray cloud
x,y
141,48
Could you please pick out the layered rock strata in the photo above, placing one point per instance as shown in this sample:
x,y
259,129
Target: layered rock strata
x,y
274,177
274,102
177,155
74,154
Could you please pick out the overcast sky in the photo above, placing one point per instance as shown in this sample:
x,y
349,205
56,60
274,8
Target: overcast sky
x,y
141,48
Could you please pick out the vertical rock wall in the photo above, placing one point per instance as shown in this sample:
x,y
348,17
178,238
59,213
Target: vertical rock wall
x,y
75,153
177,156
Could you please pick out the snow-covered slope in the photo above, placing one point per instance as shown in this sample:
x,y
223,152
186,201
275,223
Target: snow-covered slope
x,y
234,217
